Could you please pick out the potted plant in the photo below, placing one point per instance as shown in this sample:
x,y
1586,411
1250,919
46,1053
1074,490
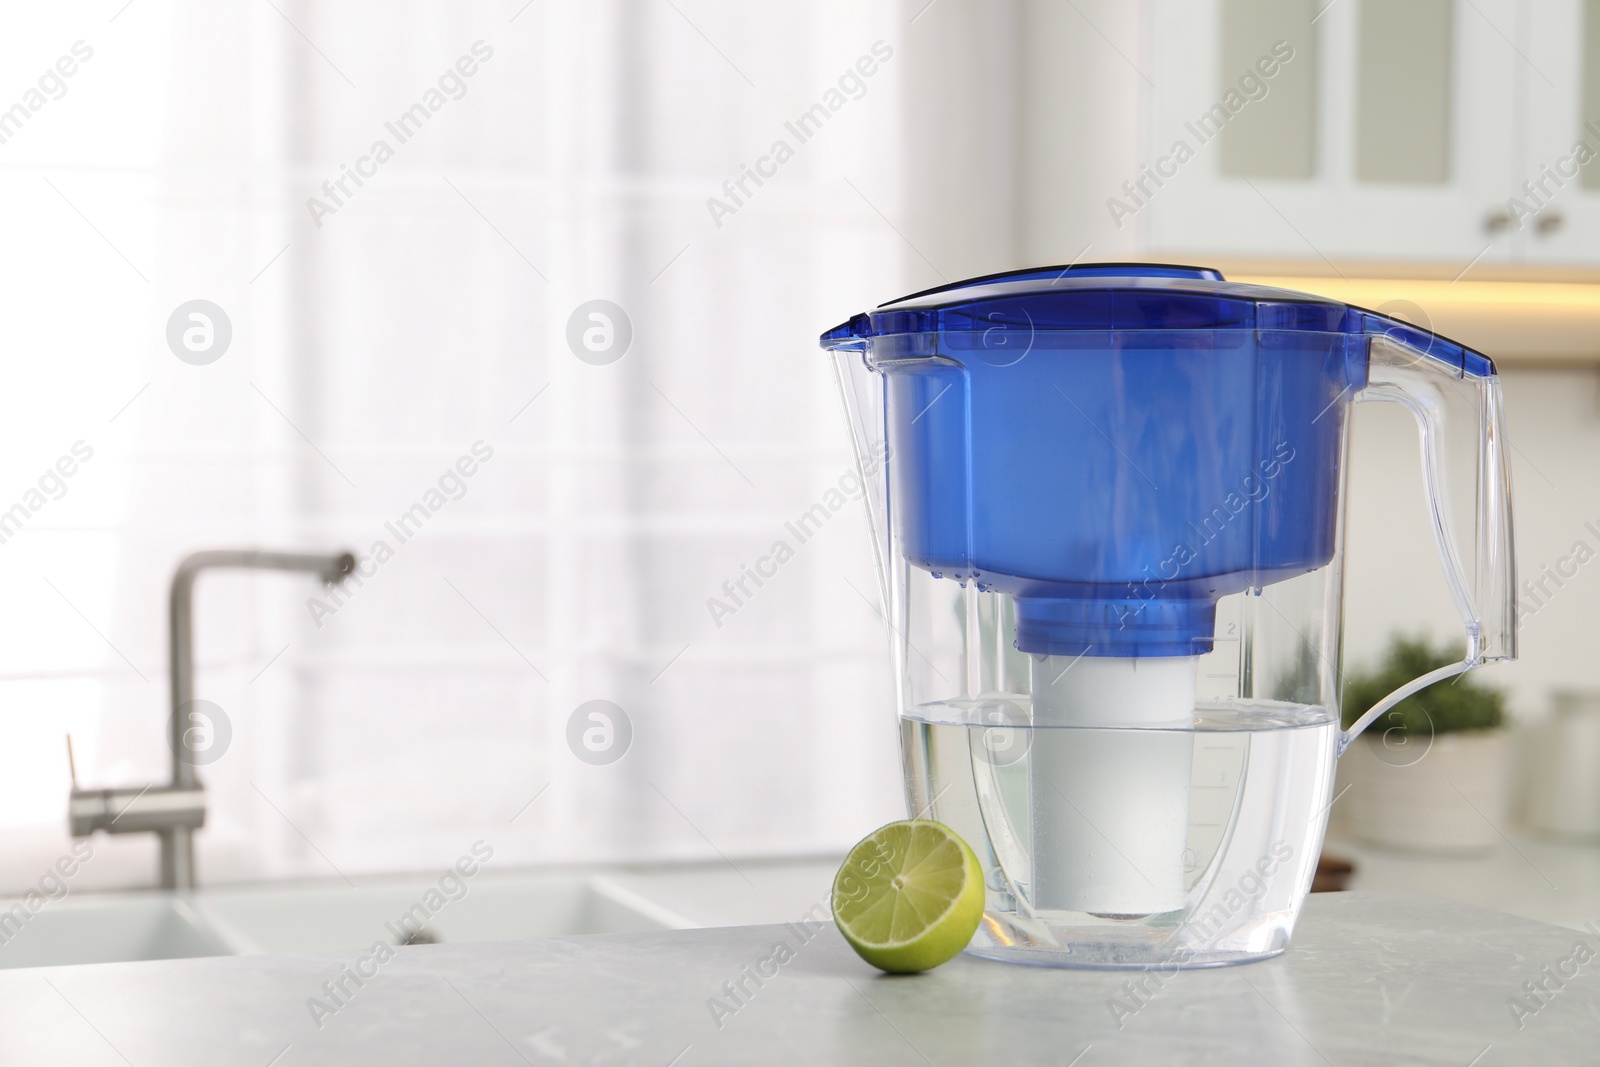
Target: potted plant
x,y
1430,774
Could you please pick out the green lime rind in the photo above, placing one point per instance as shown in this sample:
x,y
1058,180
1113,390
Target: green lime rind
x,y
909,896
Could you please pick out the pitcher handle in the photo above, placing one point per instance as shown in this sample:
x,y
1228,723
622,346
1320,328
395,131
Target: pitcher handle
x,y
1452,392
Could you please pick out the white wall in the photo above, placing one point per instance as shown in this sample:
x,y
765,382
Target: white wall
x,y
1022,117
1082,93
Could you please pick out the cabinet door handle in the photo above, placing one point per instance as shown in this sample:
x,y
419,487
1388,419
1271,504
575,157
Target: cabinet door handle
x,y
1549,221
1496,220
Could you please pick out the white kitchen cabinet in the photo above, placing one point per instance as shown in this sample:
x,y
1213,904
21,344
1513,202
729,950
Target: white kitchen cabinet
x,y
1562,76
1510,90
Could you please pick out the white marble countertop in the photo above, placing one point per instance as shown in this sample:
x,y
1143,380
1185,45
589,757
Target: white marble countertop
x,y
1524,874
1370,979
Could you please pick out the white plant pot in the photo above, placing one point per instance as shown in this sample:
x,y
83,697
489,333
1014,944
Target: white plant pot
x,y
1564,787
1446,794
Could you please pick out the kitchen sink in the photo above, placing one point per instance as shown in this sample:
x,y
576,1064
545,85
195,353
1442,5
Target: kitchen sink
x,y
312,918
105,928
319,916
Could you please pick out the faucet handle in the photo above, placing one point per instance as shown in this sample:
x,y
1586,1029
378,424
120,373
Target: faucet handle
x,y
131,811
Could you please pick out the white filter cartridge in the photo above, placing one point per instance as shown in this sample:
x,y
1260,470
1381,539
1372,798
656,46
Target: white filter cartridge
x,y
1110,804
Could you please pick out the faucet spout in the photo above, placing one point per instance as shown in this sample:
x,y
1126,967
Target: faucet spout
x,y
331,568
175,811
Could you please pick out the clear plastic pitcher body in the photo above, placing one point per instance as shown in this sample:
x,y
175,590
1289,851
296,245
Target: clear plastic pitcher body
x,y
1108,508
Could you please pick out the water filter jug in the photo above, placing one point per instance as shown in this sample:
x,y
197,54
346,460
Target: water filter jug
x,y
1107,502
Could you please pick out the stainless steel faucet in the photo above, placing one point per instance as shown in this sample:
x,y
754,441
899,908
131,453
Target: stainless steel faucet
x,y
175,811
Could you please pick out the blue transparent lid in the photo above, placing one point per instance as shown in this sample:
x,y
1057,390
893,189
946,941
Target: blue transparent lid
x,y
1133,296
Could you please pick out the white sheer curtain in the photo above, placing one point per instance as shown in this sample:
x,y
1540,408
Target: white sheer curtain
x,y
426,313
735,177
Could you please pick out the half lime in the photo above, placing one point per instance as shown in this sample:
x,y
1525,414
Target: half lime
x,y
909,896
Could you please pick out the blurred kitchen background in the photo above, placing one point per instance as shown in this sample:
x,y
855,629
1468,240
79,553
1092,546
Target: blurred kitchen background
x,y
1421,158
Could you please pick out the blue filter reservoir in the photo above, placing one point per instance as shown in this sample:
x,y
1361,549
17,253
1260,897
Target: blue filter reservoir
x,y
1115,446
